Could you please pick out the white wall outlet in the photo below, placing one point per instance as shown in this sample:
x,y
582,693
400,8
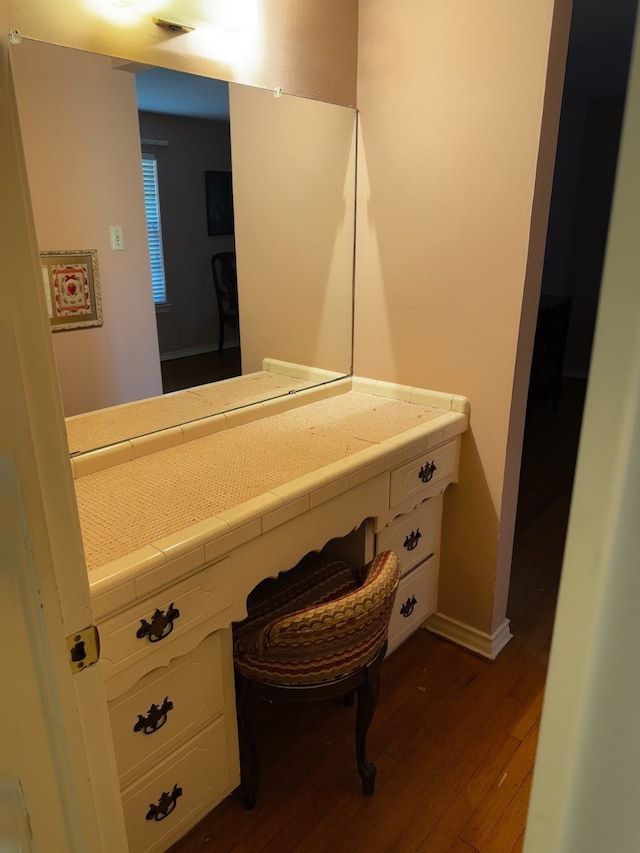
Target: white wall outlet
x,y
117,238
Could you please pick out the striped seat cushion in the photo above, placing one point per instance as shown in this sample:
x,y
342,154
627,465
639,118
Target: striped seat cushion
x,y
318,622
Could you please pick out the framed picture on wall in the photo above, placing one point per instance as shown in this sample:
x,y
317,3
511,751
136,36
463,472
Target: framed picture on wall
x,y
72,289
219,195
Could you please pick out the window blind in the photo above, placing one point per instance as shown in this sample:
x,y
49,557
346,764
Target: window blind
x,y
154,229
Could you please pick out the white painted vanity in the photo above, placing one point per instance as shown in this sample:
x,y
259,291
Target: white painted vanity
x,y
180,525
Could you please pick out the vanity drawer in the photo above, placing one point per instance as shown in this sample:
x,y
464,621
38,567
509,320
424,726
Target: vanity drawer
x,y
424,475
416,599
166,707
165,803
152,626
413,536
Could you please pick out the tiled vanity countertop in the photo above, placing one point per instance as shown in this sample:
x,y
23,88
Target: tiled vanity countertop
x,y
142,417
207,496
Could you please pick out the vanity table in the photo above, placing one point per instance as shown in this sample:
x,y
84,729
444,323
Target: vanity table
x,y
180,525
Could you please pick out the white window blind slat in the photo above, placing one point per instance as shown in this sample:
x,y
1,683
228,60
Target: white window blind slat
x,y
154,229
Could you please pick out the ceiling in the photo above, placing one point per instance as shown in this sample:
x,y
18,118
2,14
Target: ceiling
x,y
160,90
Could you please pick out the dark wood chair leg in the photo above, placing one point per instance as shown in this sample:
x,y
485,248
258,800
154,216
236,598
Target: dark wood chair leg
x,y
250,781
368,694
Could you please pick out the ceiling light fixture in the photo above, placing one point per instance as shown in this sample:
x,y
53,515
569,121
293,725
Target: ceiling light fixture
x,y
172,26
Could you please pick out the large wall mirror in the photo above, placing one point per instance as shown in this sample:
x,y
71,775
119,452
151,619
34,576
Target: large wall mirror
x,y
86,124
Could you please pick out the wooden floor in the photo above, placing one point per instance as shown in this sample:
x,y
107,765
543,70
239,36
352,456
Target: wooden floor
x,y
180,373
454,736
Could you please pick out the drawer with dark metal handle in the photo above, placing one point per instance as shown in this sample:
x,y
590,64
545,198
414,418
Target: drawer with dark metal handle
x,y
425,476
426,472
416,600
166,707
412,539
414,535
160,626
408,607
165,805
155,719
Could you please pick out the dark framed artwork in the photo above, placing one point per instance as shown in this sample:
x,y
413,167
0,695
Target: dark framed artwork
x,y
219,194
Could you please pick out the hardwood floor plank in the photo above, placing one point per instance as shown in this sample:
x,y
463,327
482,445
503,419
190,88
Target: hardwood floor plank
x,y
518,847
509,831
461,846
492,809
530,717
485,774
190,370
440,767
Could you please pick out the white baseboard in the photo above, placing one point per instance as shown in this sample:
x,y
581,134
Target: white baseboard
x,y
486,645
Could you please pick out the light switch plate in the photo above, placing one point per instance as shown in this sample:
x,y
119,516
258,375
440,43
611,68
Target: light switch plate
x,y
117,238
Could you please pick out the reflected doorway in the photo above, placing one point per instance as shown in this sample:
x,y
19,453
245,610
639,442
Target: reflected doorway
x,y
184,124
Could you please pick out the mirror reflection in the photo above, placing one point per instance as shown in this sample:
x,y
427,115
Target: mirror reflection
x,y
292,163
186,154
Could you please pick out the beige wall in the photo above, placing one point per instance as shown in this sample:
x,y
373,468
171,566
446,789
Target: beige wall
x,y
294,192
303,46
452,99
80,133
452,102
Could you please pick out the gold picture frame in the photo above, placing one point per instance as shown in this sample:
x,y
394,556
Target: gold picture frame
x,y
72,289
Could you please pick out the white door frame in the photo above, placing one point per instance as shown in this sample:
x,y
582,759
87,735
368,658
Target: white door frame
x,y
585,788
57,769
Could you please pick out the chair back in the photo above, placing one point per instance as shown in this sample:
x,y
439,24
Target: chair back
x,y
324,641
225,281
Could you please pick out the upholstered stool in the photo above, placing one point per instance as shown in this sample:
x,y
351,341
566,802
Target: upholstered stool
x,y
317,631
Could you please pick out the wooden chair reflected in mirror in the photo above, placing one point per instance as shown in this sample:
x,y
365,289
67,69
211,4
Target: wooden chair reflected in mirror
x,y
225,281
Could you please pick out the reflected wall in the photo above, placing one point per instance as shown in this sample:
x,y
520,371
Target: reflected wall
x,y
294,197
293,164
79,124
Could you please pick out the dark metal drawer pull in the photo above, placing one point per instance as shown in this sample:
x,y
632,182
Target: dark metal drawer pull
x,y
407,608
155,719
161,625
166,804
411,541
427,471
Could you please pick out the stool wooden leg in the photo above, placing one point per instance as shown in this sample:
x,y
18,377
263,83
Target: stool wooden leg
x,y
368,694
250,781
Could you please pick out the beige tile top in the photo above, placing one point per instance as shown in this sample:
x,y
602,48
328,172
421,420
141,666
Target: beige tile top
x,y
142,502
119,423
